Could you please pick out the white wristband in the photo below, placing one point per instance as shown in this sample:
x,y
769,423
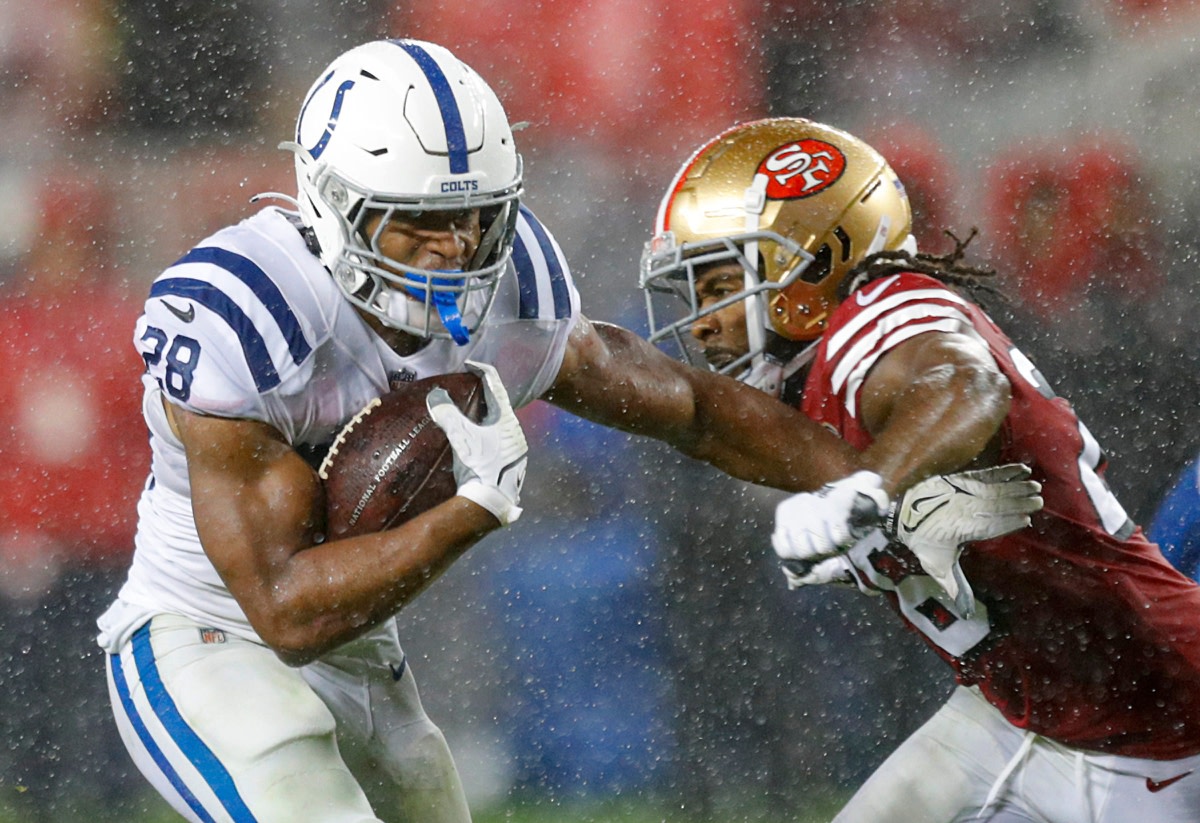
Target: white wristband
x,y
492,499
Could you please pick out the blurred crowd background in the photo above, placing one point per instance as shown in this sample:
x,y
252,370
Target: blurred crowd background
x,y
630,636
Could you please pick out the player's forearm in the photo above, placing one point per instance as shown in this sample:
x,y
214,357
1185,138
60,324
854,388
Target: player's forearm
x,y
751,435
615,378
330,594
740,430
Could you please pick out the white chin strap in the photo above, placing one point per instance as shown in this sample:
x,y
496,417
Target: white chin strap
x,y
765,376
769,375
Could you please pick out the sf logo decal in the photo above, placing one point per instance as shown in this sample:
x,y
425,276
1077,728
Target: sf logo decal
x,y
802,169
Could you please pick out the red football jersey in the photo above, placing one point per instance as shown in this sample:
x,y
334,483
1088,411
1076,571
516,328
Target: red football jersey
x,y
1083,632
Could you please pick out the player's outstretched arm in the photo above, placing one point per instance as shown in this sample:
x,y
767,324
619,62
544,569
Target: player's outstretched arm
x,y
258,507
613,377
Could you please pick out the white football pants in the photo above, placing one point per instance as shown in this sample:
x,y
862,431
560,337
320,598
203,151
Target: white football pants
x,y
226,732
968,763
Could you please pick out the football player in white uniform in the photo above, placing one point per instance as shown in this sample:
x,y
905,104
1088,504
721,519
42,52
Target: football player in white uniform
x,y
254,668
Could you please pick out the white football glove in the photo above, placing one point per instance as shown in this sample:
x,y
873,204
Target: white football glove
x,y
933,518
812,526
489,457
938,515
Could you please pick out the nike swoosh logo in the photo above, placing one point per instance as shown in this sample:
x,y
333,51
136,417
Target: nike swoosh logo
x,y
186,316
915,509
1159,785
398,671
866,297
916,504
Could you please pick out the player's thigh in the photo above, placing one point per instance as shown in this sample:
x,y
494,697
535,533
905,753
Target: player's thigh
x,y
1059,784
225,731
1163,791
398,755
944,770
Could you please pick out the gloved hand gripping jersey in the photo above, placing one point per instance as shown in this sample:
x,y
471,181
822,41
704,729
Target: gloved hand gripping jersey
x,y
933,519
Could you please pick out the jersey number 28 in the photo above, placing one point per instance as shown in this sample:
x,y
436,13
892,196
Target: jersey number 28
x,y
171,361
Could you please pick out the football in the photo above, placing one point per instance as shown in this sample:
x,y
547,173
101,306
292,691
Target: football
x,y
391,462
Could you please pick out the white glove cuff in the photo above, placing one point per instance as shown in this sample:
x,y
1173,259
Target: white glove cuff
x,y
491,499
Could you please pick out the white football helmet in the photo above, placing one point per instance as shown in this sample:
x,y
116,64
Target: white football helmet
x,y
403,126
798,204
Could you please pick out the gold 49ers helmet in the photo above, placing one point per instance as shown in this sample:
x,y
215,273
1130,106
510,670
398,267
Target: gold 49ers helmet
x,y
797,203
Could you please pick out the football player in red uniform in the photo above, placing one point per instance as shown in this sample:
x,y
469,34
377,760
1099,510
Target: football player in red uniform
x,y
1075,645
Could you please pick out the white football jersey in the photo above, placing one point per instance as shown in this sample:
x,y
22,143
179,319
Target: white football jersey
x,y
249,324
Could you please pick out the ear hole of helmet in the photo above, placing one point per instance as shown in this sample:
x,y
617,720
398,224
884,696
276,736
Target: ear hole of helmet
x,y
819,268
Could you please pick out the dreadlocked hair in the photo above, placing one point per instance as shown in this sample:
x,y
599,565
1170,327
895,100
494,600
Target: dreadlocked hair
x,y
947,268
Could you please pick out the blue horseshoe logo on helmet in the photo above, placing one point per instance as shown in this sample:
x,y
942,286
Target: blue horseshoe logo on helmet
x,y
317,150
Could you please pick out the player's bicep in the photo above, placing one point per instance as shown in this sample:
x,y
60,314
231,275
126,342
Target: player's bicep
x,y
256,502
934,403
930,367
